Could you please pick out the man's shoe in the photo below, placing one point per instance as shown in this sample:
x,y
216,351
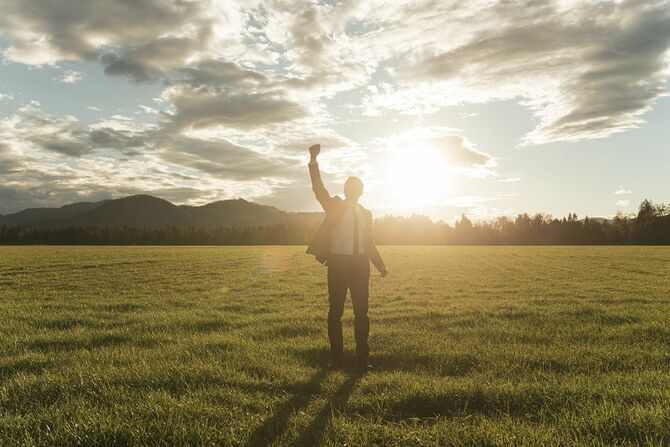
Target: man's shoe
x,y
364,366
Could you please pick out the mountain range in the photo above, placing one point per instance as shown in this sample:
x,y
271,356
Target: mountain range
x,y
145,211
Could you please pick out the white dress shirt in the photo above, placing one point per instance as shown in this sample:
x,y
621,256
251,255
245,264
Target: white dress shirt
x,y
342,234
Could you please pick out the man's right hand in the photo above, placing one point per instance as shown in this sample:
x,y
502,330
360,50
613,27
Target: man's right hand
x,y
314,151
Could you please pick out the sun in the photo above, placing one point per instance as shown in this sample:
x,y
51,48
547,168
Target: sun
x,y
417,177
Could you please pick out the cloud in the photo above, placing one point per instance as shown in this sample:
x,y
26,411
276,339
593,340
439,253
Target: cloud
x,y
9,162
150,60
147,110
623,203
37,51
6,96
96,152
454,148
582,78
44,33
217,74
216,93
222,158
31,128
197,109
195,49
621,191
459,151
71,77
320,55
143,40
309,41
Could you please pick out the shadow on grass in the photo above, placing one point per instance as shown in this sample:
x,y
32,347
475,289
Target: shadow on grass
x,y
446,364
313,434
453,365
530,403
8,370
275,426
73,344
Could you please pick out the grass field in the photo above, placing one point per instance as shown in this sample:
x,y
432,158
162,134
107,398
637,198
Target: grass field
x,y
226,346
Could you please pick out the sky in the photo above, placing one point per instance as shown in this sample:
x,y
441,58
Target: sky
x,y
485,108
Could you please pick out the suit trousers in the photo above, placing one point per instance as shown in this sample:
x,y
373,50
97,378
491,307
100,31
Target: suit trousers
x,y
348,273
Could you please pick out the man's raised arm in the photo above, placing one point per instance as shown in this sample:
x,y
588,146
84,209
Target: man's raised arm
x,y
320,191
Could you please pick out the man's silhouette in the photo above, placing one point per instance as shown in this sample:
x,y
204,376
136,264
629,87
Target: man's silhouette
x,y
344,243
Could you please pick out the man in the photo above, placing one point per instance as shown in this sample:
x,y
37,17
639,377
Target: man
x,y
344,243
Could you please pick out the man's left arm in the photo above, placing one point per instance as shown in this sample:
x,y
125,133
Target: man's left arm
x,y
373,253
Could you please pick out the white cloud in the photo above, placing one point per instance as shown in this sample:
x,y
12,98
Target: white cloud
x,y
35,50
622,191
72,77
6,96
147,110
623,203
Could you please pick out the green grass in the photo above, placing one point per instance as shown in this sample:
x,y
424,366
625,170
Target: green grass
x,y
225,346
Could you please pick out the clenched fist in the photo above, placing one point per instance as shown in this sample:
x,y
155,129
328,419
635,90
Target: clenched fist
x,y
314,150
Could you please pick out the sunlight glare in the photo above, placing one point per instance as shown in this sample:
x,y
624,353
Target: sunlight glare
x,y
417,177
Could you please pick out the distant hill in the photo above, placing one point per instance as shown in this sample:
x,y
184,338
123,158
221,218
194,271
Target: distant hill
x,y
34,215
235,213
144,211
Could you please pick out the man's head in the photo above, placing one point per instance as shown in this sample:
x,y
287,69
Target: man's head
x,y
353,189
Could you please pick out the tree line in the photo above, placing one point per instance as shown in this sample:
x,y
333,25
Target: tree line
x,y
650,226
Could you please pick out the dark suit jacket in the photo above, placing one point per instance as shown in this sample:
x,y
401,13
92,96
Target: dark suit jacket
x,y
334,208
